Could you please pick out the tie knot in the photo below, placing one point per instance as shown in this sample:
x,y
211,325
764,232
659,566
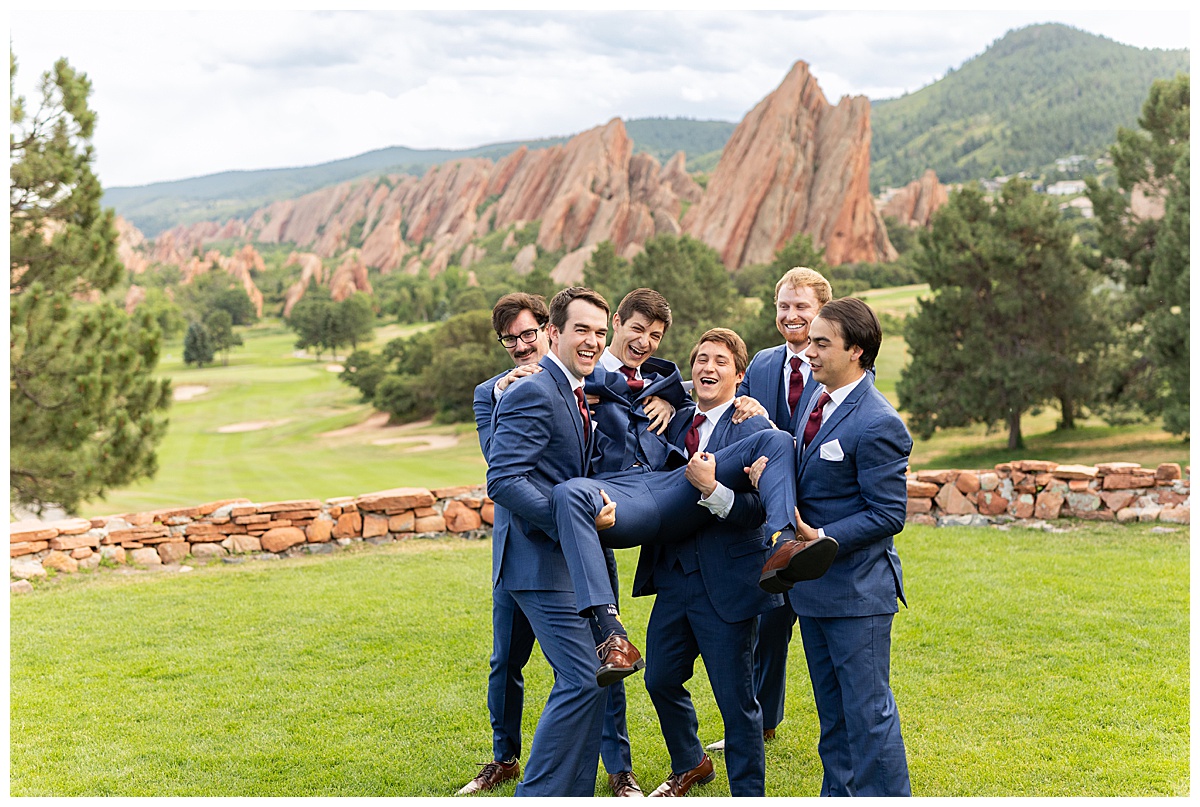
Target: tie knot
x,y
629,372
824,399
795,364
697,420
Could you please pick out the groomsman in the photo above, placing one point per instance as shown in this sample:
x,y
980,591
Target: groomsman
x,y
707,589
520,320
542,436
781,380
851,458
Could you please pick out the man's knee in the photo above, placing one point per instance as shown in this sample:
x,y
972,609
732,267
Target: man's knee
x,y
575,494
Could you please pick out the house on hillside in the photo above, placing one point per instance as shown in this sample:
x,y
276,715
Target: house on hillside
x,y
1067,187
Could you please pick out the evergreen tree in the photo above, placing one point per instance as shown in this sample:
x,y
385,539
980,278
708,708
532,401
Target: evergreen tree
x,y
85,411
219,327
355,320
1008,318
1150,257
197,346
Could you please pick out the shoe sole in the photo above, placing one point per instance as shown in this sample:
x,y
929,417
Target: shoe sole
x,y
807,565
607,675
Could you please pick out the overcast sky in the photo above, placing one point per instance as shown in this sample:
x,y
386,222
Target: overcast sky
x,y
182,94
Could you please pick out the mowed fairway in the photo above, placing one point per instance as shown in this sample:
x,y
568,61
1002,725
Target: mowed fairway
x,y
265,429
1027,664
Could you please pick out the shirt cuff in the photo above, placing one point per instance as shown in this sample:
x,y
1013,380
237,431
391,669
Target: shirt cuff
x,y
720,502
821,532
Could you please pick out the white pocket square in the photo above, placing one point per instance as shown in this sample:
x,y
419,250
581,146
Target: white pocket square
x,y
832,451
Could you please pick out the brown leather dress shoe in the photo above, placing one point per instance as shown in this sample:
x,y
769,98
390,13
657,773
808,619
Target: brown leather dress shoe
x,y
624,785
618,659
493,773
795,561
678,784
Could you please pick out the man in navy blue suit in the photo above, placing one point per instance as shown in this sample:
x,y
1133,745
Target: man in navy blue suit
x,y
520,320
541,437
707,590
852,452
780,379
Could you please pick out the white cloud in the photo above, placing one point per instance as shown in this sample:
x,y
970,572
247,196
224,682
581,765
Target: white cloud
x,y
187,93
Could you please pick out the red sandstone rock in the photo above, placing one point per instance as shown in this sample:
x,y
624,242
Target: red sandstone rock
x,y
401,522
1048,505
61,562
938,477
65,542
26,548
915,204
82,553
967,482
281,538
349,525
795,164
289,506
1176,515
397,499
1168,471
454,492
920,490
430,524
23,531
1022,506
991,503
145,556
373,525
952,502
1127,481
918,506
488,513
1075,472
460,518
172,551
319,531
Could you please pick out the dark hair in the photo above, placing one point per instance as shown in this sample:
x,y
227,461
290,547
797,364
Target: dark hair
x,y
858,325
560,302
647,302
726,337
510,306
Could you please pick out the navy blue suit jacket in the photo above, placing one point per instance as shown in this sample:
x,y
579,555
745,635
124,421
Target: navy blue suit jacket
x,y
538,441
850,482
622,434
764,383
731,552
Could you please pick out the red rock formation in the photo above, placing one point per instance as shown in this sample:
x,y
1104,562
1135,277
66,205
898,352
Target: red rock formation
x,y
915,203
795,164
134,297
130,244
349,277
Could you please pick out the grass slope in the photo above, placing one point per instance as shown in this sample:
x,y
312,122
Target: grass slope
x,y
1028,664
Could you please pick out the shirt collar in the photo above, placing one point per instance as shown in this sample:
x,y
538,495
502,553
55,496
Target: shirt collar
x,y
576,383
716,413
610,362
840,394
788,350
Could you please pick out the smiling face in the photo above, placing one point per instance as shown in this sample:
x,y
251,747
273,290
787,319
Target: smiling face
x,y
635,340
833,364
579,343
795,308
715,375
526,352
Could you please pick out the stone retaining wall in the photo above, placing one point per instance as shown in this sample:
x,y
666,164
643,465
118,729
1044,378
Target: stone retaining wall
x,y
241,527
1112,491
1115,491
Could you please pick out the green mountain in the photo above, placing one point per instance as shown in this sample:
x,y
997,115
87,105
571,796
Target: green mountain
x,y
216,197
1037,94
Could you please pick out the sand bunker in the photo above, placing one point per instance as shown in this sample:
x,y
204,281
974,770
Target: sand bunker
x,y
251,426
334,368
186,393
431,441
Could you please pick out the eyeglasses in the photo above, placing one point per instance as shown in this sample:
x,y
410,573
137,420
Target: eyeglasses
x,y
528,337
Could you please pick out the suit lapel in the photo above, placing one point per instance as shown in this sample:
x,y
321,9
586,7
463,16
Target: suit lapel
x,y
717,438
829,426
571,402
775,392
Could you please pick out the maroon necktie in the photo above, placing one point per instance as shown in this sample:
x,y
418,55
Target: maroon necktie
x,y
814,420
635,383
587,421
795,385
691,440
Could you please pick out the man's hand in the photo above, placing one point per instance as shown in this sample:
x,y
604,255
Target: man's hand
x,y
607,516
660,413
755,471
702,472
519,372
745,407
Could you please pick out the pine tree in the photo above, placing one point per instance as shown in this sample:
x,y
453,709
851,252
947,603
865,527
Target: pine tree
x,y
197,345
1009,317
1150,257
84,406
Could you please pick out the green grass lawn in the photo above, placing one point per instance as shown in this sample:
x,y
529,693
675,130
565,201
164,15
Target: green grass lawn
x,y
304,449
1029,664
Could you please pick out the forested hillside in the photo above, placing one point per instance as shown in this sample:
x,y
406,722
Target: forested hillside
x,y
1037,94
